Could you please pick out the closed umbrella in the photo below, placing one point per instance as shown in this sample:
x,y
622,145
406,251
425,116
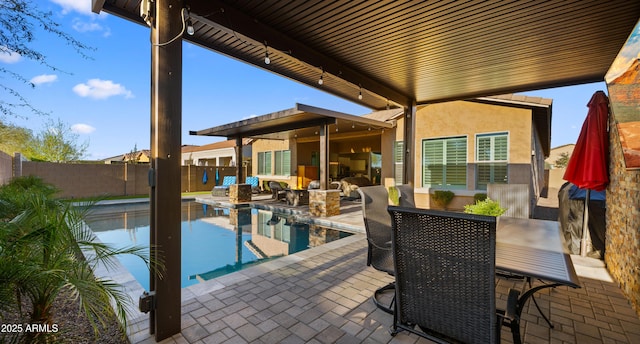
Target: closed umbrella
x,y
205,178
588,165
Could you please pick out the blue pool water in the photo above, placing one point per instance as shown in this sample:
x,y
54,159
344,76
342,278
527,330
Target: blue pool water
x,y
215,241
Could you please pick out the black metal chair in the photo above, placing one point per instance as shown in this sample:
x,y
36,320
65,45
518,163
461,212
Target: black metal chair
x,y
377,223
445,277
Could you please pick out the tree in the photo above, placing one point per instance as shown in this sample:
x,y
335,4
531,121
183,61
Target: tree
x,y
14,139
46,250
57,143
562,161
20,21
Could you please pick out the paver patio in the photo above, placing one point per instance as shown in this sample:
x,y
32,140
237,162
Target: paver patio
x,y
322,295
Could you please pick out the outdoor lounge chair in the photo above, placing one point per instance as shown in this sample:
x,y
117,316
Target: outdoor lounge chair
x,y
445,277
254,182
377,223
223,190
277,191
406,195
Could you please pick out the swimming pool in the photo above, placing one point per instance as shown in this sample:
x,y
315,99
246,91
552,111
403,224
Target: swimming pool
x,y
215,241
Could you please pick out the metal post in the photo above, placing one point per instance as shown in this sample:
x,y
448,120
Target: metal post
x,y
238,150
409,142
324,156
584,242
166,127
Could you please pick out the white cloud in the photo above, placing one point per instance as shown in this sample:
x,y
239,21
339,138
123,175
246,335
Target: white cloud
x,y
81,128
81,6
83,26
43,79
8,56
101,89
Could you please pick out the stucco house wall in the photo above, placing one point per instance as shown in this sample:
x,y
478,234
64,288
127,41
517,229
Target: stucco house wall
x,y
468,119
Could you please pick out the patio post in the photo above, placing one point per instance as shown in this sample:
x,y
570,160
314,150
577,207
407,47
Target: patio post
x,y
324,156
238,151
166,127
409,142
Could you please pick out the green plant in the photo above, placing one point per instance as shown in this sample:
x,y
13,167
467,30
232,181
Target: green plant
x,y
479,197
394,195
45,250
442,198
487,207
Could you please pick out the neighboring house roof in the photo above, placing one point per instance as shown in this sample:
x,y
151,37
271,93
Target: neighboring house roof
x,y
541,108
136,155
556,152
215,145
385,115
129,156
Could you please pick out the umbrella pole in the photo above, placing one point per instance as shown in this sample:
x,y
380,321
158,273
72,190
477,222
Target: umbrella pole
x,y
585,226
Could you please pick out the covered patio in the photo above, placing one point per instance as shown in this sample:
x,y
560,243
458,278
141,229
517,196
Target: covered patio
x,y
382,54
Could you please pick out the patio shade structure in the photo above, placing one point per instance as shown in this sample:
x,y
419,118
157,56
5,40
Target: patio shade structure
x,y
588,165
301,121
378,54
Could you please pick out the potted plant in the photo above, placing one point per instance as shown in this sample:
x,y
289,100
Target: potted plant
x,y
442,198
487,207
394,195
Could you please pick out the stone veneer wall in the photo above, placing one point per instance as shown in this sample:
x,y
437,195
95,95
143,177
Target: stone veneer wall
x,y
623,222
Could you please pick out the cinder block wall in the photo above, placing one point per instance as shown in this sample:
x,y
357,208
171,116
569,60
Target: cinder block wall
x,y
80,180
623,222
6,168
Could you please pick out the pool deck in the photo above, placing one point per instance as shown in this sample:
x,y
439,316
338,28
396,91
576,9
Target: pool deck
x,y
323,295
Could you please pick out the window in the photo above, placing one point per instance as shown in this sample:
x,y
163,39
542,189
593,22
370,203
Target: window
x,y
283,163
264,163
444,162
398,159
491,158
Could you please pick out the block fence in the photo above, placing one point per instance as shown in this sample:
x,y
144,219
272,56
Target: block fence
x,y
91,180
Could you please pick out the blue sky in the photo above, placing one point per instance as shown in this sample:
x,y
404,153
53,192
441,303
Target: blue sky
x,y
106,99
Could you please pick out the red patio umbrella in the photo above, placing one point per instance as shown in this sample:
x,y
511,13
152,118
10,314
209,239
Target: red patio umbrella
x,y
588,165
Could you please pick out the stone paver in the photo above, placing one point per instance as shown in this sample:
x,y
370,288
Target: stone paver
x,y
342,311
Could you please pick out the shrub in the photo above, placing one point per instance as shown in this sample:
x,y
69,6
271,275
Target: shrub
x,y
442,198
394,195
479,197
487,207
42,239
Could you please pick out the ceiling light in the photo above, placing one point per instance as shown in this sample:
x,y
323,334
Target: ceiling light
x,y
321,80
267,60
190,29
360,93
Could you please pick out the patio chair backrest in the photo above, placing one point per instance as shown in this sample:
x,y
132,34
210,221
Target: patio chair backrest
x,y
253,181
445,273
228,180
406,195
377,224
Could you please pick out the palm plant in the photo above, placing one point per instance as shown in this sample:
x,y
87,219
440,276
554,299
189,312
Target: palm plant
x,y
45,250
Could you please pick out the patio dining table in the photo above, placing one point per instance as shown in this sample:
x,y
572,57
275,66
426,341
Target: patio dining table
x,y
533,250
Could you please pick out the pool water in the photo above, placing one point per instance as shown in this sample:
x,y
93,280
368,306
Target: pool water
x,y
215,241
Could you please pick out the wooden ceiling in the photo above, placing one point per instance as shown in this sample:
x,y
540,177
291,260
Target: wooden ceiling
x,y
405,52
